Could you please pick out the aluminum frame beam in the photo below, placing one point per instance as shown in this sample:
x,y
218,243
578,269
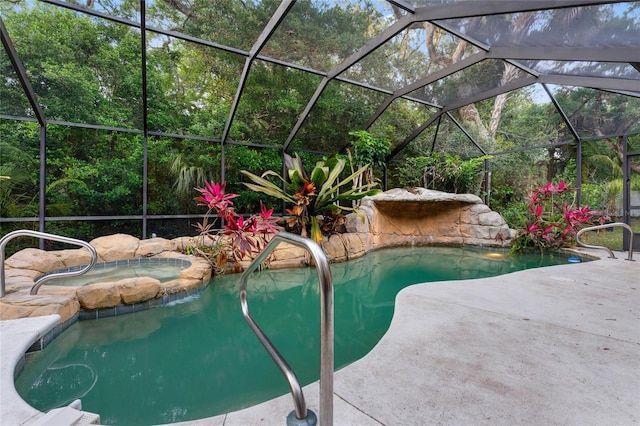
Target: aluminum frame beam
x,y
467,9
564,116
463,130
512,85
445,72
373,44
600,83
560,53
402,145
21,72
277,18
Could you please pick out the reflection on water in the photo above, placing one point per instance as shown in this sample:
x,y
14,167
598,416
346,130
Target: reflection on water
x,y
70,382
198,359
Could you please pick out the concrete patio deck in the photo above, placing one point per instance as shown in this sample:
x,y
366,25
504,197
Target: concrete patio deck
x,y
552,346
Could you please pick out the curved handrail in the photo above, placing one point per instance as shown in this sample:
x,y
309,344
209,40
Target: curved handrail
x,y
608,225
326,326
44,278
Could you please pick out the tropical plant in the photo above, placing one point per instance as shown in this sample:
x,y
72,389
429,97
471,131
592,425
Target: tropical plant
x,y
243,236
553,221
16,195
312,194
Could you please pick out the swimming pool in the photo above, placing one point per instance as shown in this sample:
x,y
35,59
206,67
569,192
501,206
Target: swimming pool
x,y
198,358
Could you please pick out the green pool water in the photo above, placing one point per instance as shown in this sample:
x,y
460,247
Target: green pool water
x,y
198,358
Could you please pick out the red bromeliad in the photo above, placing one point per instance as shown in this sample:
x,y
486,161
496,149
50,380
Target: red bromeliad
x,y
555,221
246,236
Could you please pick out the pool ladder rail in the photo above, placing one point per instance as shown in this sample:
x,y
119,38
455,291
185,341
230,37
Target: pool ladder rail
x,y
41,280
301,415
608,225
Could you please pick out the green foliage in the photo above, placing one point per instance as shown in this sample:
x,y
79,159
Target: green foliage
x,y
515,214
612,194
594,195
318,193
368,149
446,173
568,175
240,158
16,196
512,177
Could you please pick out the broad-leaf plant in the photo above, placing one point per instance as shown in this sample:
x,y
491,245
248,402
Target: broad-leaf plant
x,y
317,198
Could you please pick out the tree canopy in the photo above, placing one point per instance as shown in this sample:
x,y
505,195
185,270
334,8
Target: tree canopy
x,y
136,120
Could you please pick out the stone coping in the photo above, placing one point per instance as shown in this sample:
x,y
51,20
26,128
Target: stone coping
x,y
17,336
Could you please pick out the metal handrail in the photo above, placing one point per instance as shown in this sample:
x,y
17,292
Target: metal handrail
x,y
326,330
44,278
608,225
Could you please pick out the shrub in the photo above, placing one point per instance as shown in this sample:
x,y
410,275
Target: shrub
x,y
447,173
241,237
552,219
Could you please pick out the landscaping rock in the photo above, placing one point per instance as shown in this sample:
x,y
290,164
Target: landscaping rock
x,y
490,219
334,248
354,244
398,217
35,259
354,224
14,311
199,269
96,296
153,246
74,257
288,256
66,309
137,289
115,247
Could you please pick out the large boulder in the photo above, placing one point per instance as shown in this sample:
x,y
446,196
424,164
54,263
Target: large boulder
x,y
334,248
25,305
14,311
154,246
288,256
35,259
97,296
67,309
116,247
138,289
200,269
74,257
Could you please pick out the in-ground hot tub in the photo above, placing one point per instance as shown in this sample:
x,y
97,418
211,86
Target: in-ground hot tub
x,y
162,269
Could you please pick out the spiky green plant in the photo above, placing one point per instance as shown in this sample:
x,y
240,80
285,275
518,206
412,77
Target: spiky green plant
x,y
319,192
